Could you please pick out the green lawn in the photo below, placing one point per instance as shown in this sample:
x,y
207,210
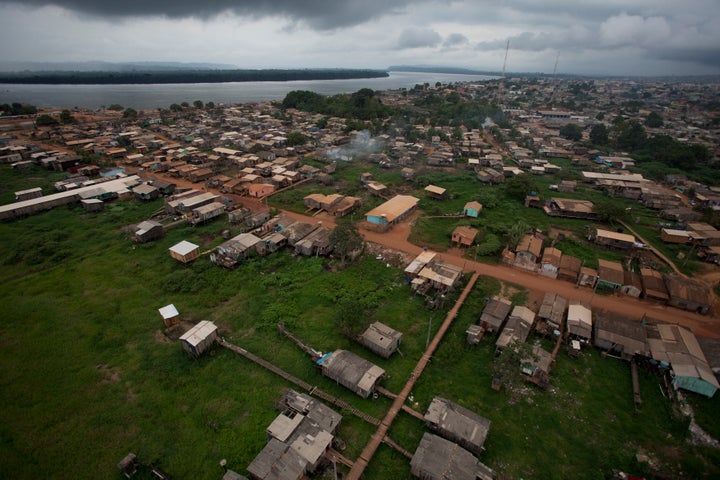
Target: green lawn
x,y
86,374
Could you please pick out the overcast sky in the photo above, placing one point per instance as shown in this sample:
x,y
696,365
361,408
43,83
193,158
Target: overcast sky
x,y
634,37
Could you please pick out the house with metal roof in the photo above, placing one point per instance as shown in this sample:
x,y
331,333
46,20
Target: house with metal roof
x,y
464,235
229,253
517,327
148,231
435,192
494,314
438,459
613,240
620,335
550,262
569,268
610,274
653,285
678,347
392,211
472,209
458,424
579,323
351,371
551,313
687,294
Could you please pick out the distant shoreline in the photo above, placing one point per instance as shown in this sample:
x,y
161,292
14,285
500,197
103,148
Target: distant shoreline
x,y
141,77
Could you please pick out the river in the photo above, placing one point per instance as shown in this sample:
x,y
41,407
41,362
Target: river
x,y
163,95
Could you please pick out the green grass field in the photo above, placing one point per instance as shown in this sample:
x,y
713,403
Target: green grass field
x,y
87,375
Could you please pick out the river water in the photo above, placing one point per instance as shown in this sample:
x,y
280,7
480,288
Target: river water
x,y
163,95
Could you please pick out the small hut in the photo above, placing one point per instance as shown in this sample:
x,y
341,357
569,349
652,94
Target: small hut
x,y
92,205
381,339
169,314
185,251
199,338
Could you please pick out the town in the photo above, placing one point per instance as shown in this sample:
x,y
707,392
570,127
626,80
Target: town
x,y
527,225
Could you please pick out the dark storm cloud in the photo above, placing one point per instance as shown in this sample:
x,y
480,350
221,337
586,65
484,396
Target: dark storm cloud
x,y
709,55
319,14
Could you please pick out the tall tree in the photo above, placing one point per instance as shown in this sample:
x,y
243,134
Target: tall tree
x,y
346,240
571,131
507,367
654,120
599,134
630,135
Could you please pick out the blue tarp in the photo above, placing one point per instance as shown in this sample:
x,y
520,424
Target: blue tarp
x,y
323,358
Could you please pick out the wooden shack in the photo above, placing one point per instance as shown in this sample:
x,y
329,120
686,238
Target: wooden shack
x,y
92,205
464,236
148,231
229,253
569,268
381,339
185,251
146,192
687,294
435,192
199,338
550,263
551,314
579,323
494,314
517,327
206,213
610,274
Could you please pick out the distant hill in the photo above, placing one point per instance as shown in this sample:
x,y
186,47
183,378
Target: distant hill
x,y
466,71
439,69
99,66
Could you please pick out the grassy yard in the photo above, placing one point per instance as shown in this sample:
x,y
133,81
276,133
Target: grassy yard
x,y
87,375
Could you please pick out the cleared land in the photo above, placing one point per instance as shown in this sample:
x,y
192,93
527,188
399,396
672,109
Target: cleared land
x,y
87,373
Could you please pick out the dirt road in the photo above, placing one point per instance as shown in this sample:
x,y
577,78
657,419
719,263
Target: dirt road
x,y
397,239
707,326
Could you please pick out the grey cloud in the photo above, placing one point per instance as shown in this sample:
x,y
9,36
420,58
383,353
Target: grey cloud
x,y
318,14
701,55
414,37
455,39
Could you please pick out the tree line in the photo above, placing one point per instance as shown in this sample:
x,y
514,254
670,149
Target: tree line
x,y
185,76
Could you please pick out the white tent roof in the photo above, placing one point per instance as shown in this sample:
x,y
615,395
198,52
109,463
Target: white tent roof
x,y
168,311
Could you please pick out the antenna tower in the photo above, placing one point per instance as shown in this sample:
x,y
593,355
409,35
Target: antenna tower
x,y
502,80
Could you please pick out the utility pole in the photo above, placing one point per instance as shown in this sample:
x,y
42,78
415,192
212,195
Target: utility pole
x,y
427,342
